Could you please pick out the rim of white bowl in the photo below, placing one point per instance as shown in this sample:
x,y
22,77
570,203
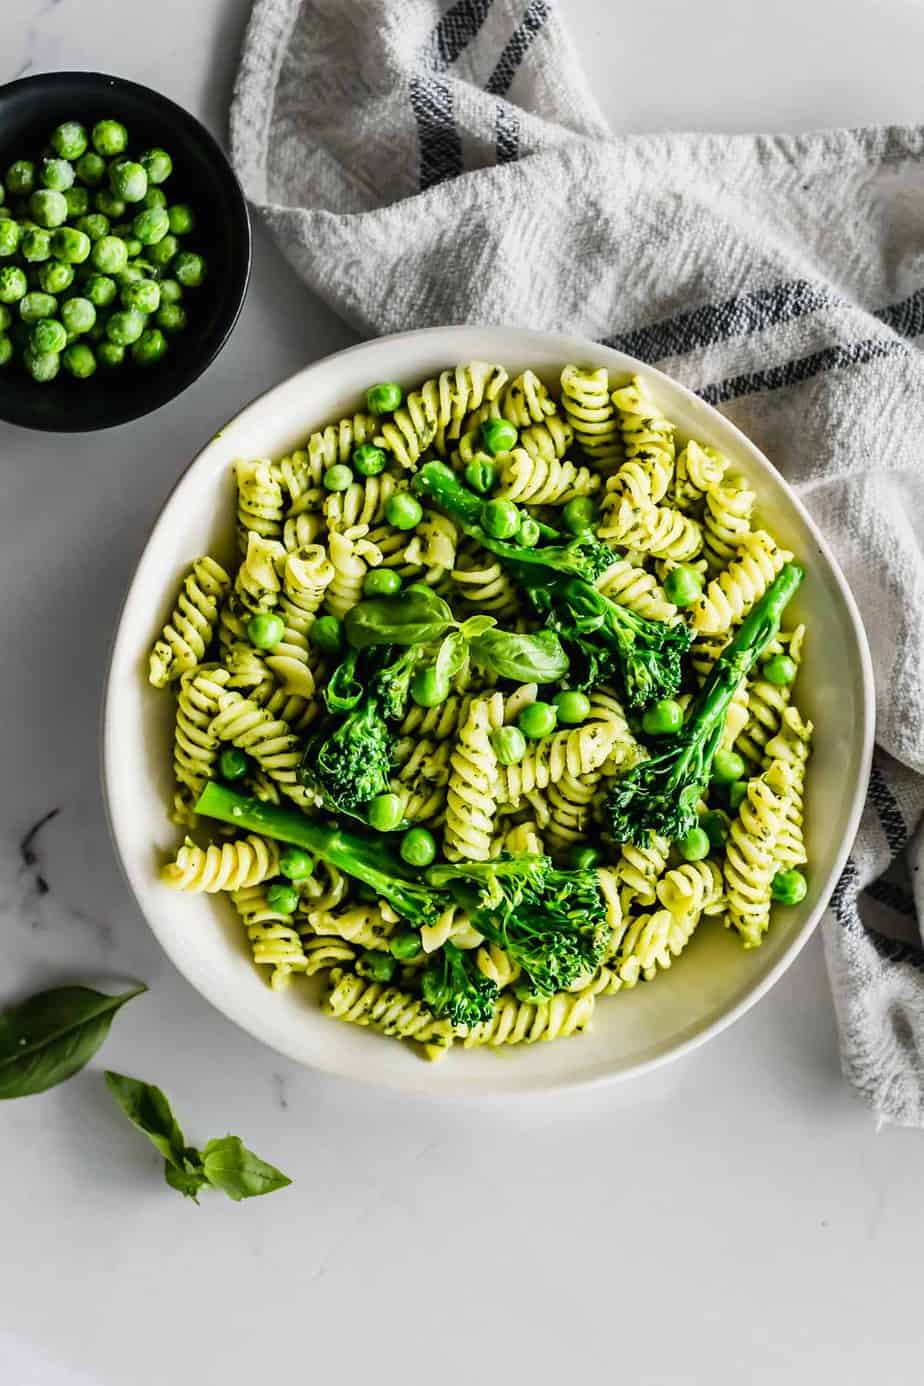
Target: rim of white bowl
x,y
569,347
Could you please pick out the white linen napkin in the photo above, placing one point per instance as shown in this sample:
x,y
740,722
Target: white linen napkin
x,y
426,163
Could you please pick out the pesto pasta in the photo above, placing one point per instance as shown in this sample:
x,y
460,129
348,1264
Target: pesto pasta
x,y
494,732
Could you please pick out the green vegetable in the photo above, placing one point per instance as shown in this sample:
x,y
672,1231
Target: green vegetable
x,y
78,203
662,718
9,237
579,514
56,173
171,317
182,220
78,315
581,858
54,276
110,355
150,347
143,294
661,794
113,207
780,670
157,165
368,460
694,845
500,519
35,245
42,366
233,763
481,474
52,1035
47,335
35,306
529,532
418,847
189,268
109,255
6,349
265,630
385,812
552,923
326,634
338,478
296,864
381,582
537,720
683,585
13,284
789,887
384,399
715,825
73,247
727,766
125,326
419,618
405,945
376,965
737,793
428,688
151,225
452,986
91,169
48,207
498,435
403,510
224,1164
109,137
509,745
100,290
155,197
128,180
162,252
572,707
525,658
282,897
20,177
69,139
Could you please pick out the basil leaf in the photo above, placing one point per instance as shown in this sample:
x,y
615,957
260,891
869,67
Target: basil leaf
x,y
476,625
52,1035
343,690
147,1108
538,658
228,1165
451,657
187,1181
415,618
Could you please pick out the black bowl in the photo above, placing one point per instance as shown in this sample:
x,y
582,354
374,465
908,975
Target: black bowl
x,y
29,111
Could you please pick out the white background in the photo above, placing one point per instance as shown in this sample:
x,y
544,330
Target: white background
x,y
734,1218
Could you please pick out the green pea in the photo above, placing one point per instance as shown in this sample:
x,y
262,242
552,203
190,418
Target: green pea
x,y
69,139
78,314
405,945
715,825
509,745
78,360
296,864
38,305
694,846
727,766
498,435
144,295
47,335
481,474
9,237
56,173
170,291
368,460
109,255
78,203
131,274
113,207
384,398
125,326
282,897
157,164
233,764
154,197
683,585
500,519
48,207
789,887
13,284
537,720
43,368
579,514
110,354
109,137
265,630
171,317
100,290
780,670
94,225
6,349
428,689
418,847
529,533
737,793
91,169
582,858
128,180
35,245
133,246
572,707
151,225
326,634
376,965
189,268
385,812
403,511
182,219
73,247
163,251
20,178
663,718
381,582
337,478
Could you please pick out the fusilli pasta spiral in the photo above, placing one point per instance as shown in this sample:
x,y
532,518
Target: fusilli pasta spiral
x,y
188,633
226,866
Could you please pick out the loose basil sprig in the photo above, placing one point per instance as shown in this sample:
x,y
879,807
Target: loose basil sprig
x,y
52,1035
224,1164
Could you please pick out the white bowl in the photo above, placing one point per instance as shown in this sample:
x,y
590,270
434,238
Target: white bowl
x,y
712,983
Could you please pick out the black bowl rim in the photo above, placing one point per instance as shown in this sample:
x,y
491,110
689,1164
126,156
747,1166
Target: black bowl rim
x,y
178,113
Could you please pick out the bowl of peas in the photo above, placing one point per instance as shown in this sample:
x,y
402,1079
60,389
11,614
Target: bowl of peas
x,y
125,251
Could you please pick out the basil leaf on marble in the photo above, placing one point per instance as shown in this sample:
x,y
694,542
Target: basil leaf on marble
x,y
228,1165
148,1109
51,1036
187,1181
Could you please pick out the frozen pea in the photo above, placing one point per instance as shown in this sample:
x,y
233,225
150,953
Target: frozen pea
x,y
78,315
94,225
189,269
13,284
143,295
131,274
150,347
111,206
125,326
128,180
47,335
57,174
109,137
91,169
151,225
78,360
78,203
182,219
35,245
171,317
20,178
100,290
42,368
9,237
55,276
170,291
157,165
109,255
48,207
133,246
73,247
163,251
69,140
110,354
37,305
154,197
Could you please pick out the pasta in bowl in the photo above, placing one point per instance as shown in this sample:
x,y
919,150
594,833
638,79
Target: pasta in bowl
x,y
492,694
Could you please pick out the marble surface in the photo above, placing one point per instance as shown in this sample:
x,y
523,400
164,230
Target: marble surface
x,y
734,1217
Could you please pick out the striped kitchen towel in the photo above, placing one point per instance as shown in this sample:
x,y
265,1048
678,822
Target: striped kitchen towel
x,y
424,163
